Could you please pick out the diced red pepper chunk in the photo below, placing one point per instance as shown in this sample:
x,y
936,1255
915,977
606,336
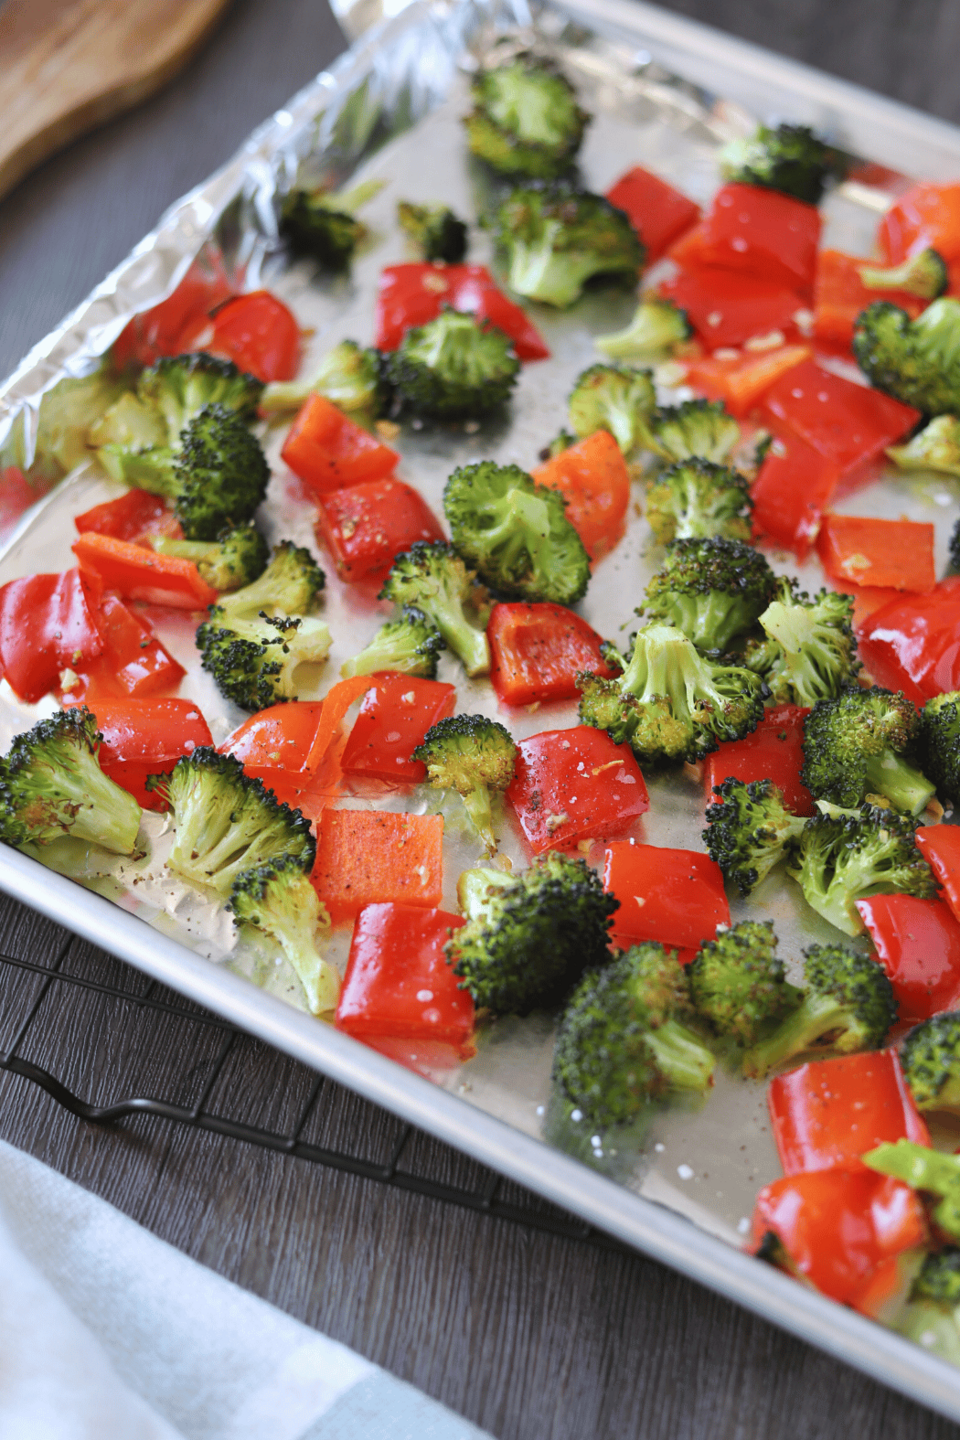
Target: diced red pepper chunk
x,y
274,744
918,944
47,625
366,526
913,643
136,573
396,713
159,331
131,516
593,478
727,308
657,211
740,381
17,494
795,485
410,295
329,451
758,232
256,331
839,296
675,897
940,847
132,663
146,737
538,650
894,553
927,215
774,751
573,785
371,856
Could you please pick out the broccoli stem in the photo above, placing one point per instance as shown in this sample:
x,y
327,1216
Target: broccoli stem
x,y
815,1017
902,784
477,805
470,644
105,815
686,1063
320,979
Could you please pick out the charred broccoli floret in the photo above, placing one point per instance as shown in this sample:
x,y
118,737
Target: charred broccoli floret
x,y
916,361
658,328
51,785
614,398
847,1003
710,589
924,275
289,585
738,982
935,447
624,1040
454,367
278,899
696,499
515,534
940,743
432,577
236,558
810,650
254,661
226,822
930,1057
529,936
525,118
322,224
474,756
437,233
845,856
858,744
788,158
694,428
557,237
672,703
410,644
352,377
924,1169
749,831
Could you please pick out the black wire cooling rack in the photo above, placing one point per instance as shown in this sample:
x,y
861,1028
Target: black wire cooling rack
x,y
139,1049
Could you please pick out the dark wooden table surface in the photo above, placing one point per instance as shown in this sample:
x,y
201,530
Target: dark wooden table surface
x,y
528,1334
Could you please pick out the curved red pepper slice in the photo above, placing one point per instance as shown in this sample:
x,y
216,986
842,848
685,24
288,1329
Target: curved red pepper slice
x,y
137,573
940,847
146,737
47,625
913,643
918,944
396,713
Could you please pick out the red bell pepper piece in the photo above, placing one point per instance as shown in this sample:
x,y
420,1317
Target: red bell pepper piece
x,y
758,232
830,1112
398,983
791,492
893,553
132,517
727,308
256,331
573,785
146,737
366,526
658,212
396,713
328,451
843,1229
774,751
538,650
913,643
926,215
16,496
675,897
593,478
136,573
47,625
918,944
366,857
740,381
158,331
410,295
839,295
132,663
940,847
274,744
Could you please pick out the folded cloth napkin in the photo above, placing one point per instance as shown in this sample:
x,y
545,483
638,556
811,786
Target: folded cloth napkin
x,y
107,1333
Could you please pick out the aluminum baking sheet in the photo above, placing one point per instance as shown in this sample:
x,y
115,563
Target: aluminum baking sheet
x,y
680,1184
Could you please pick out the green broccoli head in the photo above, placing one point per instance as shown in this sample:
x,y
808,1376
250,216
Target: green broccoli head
x,y
924,275
278,899
254,661
622,1039
557,237
454,367
738,982
788,158
749,831
436,231
352,377
695,428
474,756
410,644
236,558
848,1004
940,743
433,578
515,534
672,703
915,361
525,118
845,856
529,936
857,744
178,387
698,500
614,398
935,447
930,1057
711,589
226,822
810,653
658,328
322,224
290,585
51,785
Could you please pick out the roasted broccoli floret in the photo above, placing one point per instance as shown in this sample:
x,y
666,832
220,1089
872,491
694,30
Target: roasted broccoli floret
x,y
623,1039
352,377
179,387
278,899
236,558
935,447
788,158
930,1057
432,577
924,274
940,743
810,652
695,428
614,398
845,856
525,118
529,936
856,745
410,644
738,982
254,661
435,230
923,1169
672,703
696,499
515,534
847,1003
931,1317
322,224
749,831
227,822
290,585
557,237
51,785
711,590
658,328
474,756
454,367
916,361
